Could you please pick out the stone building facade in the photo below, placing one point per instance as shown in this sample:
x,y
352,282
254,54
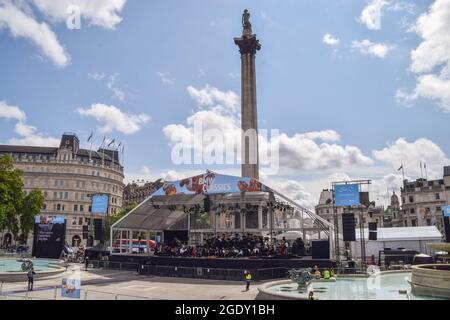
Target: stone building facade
x,y
68,177
133,193
370,212
422,201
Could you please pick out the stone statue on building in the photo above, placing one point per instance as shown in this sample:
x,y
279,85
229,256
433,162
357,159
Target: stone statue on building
x,y
246,22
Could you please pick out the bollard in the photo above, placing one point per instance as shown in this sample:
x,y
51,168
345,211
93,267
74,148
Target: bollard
x,y
85,295
56,292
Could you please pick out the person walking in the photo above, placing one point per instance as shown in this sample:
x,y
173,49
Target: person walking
x,y
248,278
30,276
86,262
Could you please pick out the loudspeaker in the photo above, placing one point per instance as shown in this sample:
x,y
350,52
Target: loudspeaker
x,y
98,229
320,249
372,231
207,204
85,232
447,228
348,226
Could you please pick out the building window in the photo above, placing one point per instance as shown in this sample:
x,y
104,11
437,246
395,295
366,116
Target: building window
x,y
75,207
413,222
80,221
428,222
411,199
90,208
45,194
74,221
76,195
55,195
44,206
437,196
412,211
58,207
81,208
438,209
66,195
60,195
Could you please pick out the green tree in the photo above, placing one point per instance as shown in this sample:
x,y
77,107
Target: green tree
x,y
11,194
32,204
110,220
17,210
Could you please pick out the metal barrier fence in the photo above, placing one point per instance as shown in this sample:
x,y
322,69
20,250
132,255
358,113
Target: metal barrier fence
x,y
54,293
212,273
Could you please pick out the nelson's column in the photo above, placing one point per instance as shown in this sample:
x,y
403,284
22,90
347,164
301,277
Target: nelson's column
x,y
248,45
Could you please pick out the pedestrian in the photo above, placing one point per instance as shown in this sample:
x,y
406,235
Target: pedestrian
x,y
30,276
248,278
86,262
311,295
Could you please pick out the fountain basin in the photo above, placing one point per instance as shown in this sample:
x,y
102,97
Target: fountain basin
x,y
10,269
431,280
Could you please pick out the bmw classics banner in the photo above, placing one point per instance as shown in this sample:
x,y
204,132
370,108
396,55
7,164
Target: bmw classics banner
x,y
210,183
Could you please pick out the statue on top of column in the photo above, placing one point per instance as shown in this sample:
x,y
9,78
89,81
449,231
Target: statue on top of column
x,y
246,22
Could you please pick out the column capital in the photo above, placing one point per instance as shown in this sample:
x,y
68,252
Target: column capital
x,y
247,44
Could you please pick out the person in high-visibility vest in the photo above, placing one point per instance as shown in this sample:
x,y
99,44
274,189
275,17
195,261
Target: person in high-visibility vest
x,y
248,278
326,274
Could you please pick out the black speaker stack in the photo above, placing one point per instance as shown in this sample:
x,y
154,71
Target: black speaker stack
x,y
447,228
348,226
85,232
207,204
372,231
98,229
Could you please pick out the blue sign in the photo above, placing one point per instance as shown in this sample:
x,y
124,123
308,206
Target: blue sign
x,y
100,203
71,288
46,219
446,211
346,195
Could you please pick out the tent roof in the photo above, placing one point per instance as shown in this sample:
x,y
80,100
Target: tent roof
x,y
404,233
148,217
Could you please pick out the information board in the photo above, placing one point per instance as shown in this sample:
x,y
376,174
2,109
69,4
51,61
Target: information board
x,y
346,195
100,203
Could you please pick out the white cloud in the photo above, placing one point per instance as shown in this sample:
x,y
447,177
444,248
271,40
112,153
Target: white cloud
x,y
293,189
371,14
210,96
23,25
300,152
365,46
266,17
11,112
112,118
102,13
28,134
166,78
431,59
112,85
217,110
411,154
330,40
96,76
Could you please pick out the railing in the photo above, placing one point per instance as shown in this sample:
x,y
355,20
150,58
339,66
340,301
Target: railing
x,y
55,296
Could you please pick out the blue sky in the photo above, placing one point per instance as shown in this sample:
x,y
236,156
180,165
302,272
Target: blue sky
x,y
126,75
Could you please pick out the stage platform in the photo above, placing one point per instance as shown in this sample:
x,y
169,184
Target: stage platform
x,y
213,268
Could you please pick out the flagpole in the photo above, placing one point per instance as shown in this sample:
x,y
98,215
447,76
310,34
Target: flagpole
x,y
426,173
421,171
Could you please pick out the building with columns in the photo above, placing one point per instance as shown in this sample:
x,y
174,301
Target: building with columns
x,y
422,201
68,176
370,211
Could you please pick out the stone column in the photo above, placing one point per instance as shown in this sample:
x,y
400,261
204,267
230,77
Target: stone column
x,y
248,45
